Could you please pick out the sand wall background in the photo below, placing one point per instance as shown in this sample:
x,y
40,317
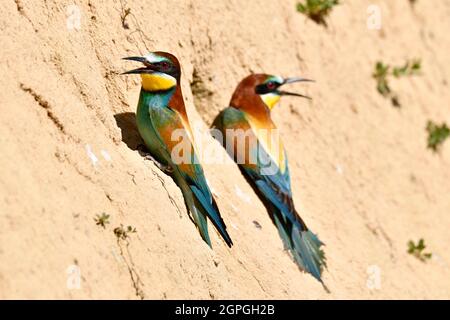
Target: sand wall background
x,y
362,176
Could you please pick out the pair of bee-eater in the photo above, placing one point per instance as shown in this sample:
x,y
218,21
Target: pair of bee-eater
x,y
161,111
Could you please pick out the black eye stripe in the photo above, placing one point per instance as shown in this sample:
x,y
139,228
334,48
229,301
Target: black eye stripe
x,y
268,87
164,64
167,67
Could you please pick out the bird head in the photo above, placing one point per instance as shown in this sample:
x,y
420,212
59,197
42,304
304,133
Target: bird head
x,y
161,71
266,88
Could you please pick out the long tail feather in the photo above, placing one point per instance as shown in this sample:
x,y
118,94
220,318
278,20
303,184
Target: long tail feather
x,y
201,223
210,208
302,243
200,208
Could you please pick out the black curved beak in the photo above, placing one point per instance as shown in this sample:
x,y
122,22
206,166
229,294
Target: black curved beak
x,y
293,80
146,69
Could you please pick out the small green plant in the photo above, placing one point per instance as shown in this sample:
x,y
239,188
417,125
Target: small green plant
x,y
437,135
380,74
317,10
417,250
410,68
123,233
383,71
102,220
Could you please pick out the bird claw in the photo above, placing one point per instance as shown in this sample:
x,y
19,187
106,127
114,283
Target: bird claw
x,y
162,167
147,156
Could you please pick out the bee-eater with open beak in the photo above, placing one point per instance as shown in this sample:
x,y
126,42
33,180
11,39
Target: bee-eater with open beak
x,y
248,117
160,114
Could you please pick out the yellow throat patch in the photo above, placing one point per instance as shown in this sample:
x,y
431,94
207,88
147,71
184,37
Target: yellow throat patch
x,y
157,81
270,99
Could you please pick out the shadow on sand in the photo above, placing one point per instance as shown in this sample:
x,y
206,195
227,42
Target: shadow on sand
x,y
126,121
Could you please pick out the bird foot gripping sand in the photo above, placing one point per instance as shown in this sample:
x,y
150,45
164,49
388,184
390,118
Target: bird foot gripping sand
x,y
147,156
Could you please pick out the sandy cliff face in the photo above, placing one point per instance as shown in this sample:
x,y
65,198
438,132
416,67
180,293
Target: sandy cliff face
x,y
362,176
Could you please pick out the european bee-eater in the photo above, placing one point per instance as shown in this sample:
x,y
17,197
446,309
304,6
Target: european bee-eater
x,y
160,114
263,162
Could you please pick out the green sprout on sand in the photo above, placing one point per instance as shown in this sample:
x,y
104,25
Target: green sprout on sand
x,y
410,68
102,220
317,10
417,250
123,233
383,71
437,135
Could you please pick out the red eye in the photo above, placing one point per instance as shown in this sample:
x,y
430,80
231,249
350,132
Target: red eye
x,y
270,85
165,65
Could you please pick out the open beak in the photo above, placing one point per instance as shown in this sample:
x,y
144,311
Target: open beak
x,y
293,80
146,69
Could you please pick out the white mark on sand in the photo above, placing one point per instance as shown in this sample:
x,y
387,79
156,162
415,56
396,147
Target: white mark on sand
x,y
439,260
241,194
233,225
213,191
234,207
91,155
106,155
